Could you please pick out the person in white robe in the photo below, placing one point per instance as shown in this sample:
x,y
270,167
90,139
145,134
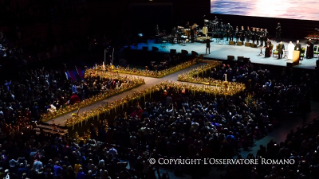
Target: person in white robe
x,y
291,48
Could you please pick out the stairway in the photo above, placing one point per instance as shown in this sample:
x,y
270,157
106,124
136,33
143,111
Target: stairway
x,y
50,129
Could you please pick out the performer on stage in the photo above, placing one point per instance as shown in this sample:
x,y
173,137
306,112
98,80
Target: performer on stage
x,y
205,30
242,34
187,25
278,32
248,34
281,48
221,34
268,48
298,47
215,24
266,35
309,53
291,48
192,34
230,33
157,34
221,31
157,31
174,35
261,37
227,31
208,45
174,31
257,36
222,27
237,34
253,35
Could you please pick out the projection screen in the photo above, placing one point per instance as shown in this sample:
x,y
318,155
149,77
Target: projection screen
x,y
289,9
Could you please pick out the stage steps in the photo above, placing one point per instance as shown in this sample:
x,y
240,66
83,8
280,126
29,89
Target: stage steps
x,y
50,129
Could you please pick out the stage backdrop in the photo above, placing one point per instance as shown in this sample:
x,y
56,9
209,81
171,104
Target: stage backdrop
x,y
290,9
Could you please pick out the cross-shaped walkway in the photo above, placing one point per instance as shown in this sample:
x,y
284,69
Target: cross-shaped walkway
x,y
61,120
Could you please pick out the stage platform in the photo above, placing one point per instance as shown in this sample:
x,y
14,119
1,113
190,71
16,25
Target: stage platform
x,y
220,51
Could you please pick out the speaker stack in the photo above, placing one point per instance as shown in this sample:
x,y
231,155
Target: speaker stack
x,y
240,58
230,57
246,60
184,52
195,54
154,49
173,51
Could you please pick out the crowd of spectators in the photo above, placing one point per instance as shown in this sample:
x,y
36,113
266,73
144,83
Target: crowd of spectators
x,y
173,124
284,91
178,125
39,91
300,145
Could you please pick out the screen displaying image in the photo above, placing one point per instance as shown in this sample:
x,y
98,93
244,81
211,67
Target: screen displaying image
x,y
290,9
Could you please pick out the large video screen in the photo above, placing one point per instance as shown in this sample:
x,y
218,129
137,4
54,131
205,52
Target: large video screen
x,y
290,9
